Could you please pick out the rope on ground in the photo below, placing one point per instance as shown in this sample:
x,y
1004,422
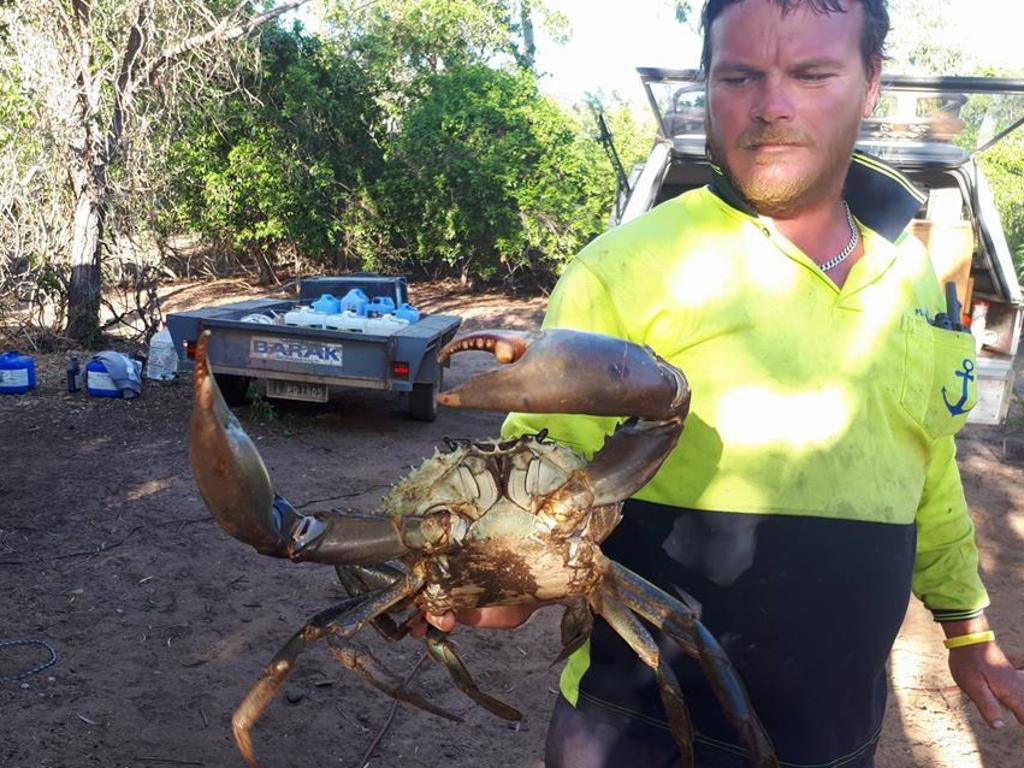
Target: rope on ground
x,y
31,670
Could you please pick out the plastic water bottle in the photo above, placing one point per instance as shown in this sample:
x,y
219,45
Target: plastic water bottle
x,y
163,357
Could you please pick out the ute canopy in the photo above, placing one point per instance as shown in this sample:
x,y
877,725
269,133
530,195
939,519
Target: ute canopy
x,y
920,122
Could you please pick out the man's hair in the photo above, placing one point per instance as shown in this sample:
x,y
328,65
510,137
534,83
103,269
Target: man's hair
x,y
872,39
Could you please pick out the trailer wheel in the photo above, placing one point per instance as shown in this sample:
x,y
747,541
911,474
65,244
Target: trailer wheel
x,y
234,388
423,400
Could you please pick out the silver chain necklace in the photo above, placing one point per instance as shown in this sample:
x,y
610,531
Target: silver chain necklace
x,y
840,257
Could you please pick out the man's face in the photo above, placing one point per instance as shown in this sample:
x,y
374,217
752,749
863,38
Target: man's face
x,y
786,95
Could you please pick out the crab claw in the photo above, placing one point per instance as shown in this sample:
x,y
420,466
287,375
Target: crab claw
x,y
236,487
559,370
231,476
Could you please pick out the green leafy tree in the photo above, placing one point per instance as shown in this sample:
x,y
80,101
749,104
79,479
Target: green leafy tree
x,y
1004,168
489,178
283,158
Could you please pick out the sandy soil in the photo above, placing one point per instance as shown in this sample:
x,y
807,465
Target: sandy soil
x,y
160,621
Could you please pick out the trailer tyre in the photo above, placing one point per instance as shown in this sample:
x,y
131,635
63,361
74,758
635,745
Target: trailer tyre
x,y
234,388
423,401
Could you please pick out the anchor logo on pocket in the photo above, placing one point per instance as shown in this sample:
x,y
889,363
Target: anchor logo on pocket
x,y
967,375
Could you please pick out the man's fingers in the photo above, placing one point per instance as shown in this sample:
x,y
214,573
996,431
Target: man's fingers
x,y
418,623
1009,688
986,702
443,621
497,616
488,617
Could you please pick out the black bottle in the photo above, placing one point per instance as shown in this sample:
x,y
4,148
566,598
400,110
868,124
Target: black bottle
x,y
73,372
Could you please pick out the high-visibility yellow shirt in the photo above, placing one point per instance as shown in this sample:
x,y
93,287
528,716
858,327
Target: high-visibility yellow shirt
x,y
807,399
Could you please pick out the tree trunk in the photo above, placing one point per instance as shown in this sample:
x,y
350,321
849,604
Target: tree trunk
x,y
92,196
84,290
529,54
264,264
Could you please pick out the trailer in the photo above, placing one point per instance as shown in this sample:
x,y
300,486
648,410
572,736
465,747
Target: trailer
x,y
253,342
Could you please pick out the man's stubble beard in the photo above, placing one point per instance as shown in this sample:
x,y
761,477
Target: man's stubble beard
x,y
786,196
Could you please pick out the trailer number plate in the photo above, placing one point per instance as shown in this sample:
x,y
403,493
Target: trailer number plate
x,y
297,390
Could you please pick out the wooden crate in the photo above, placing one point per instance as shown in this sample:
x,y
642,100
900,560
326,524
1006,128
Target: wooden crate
x,y
951,248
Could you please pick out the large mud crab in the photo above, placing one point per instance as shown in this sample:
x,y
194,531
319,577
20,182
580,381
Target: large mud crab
x,y
485,523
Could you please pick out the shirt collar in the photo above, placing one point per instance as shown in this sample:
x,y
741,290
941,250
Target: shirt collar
x,y
881,197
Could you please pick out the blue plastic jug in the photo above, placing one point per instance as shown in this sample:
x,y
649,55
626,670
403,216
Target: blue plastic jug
x,y
381,305
355,301
408,312
98,381
17,373
327,303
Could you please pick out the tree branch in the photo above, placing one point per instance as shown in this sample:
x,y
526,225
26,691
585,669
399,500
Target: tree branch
x,y
222,33
125,87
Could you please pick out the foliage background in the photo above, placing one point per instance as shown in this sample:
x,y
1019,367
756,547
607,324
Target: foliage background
x,y
412,138
404,136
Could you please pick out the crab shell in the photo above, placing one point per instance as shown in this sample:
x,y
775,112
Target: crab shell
x,y
511,548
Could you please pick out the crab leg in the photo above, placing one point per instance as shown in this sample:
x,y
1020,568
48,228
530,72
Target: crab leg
x,y
367,665
359,579
577,624
236,488
343,620
443,651
681,624
559,370
629,628
277,671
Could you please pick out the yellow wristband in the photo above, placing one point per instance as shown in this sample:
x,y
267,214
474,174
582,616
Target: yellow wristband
x,y
972,639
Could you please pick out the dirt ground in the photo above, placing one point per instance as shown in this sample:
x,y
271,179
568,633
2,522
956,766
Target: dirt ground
x,y
160,621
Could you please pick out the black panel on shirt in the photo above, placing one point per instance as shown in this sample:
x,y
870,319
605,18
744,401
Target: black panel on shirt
x,y
806,608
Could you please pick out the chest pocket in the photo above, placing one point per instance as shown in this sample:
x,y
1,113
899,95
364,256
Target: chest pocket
x,y
940,384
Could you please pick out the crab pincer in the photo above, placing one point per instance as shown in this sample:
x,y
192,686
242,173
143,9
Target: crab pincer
x,y
561,370
237,490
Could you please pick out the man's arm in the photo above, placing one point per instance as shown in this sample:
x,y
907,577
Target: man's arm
x,y
946,579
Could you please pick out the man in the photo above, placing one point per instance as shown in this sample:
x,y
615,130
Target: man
x,y
815,484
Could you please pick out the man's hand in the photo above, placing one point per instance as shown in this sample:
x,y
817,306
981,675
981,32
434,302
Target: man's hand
x,y
490,617
985,674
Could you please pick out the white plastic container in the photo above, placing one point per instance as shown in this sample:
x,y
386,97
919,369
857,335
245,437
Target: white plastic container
x,y
162,364
257,318
303,317
385,325
352,322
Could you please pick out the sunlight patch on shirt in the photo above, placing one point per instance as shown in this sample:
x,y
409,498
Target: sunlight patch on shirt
x,y
877,321
759,416
696,282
